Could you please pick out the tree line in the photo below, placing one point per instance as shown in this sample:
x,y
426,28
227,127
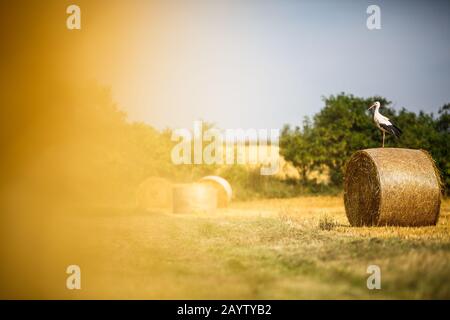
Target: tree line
x,y
344,125
78,147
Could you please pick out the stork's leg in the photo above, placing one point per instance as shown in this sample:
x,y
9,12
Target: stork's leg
x,y
383,138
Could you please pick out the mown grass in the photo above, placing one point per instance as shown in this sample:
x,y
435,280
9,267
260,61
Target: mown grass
x,y
300,248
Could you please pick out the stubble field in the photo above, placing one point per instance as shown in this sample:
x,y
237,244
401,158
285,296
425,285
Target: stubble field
x,y
301,248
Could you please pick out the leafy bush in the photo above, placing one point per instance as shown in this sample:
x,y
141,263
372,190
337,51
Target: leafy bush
x,y
344,126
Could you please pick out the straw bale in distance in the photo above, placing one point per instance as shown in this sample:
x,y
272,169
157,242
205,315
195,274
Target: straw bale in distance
x,y
154,192
194,197
224,191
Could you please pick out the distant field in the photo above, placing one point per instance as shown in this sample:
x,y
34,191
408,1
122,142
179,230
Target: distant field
x,y
300,248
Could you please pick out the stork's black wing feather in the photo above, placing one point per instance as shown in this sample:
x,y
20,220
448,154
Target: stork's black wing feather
x,y
398,129
392,129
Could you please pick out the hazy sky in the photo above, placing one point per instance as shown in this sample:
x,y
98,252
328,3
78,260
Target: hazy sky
x,y
261,64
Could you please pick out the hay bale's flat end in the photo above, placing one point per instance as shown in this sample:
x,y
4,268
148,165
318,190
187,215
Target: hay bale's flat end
x,y
392,186
223,187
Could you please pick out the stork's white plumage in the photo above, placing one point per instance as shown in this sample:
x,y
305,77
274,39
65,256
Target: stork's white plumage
x,y
383,123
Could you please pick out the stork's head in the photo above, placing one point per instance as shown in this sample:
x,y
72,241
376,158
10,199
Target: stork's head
x,y
375,105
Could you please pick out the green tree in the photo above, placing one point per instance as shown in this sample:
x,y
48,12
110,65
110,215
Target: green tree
x,y
344,126
441,148
295,146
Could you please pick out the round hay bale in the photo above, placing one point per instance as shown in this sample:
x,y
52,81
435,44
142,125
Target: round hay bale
x,y
194,197
392,186
154,192
224,191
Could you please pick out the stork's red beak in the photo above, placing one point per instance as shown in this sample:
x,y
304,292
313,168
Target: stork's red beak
x,y
371,106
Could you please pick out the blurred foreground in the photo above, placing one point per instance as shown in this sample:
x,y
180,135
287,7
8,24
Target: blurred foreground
x,y
299,248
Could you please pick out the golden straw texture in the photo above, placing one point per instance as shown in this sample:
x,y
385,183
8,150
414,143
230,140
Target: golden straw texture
x,y
224,191
194,197
392,186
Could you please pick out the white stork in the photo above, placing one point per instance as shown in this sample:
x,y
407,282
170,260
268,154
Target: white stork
x,y
383,123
